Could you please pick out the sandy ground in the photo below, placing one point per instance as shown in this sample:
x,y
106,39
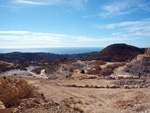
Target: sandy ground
x,y
95,100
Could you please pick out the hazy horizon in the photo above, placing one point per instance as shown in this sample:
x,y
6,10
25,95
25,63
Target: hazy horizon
x,y
59,50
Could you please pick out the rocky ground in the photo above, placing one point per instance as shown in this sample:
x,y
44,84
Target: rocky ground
x,y
76,95
90,91
90,99
120,92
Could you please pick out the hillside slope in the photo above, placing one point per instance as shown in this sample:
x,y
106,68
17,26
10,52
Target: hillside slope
x,y
22,60
140,66
115,53
22,57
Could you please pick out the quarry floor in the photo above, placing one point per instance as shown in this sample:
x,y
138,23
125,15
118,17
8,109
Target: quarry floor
x,y
92,100
95,100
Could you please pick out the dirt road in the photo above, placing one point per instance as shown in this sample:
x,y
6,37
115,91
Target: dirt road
x,y
93,100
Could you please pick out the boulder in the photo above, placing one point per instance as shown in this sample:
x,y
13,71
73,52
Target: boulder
x,y
2,106
126,87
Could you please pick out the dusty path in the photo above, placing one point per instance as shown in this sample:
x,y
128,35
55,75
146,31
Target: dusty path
x,y
95,100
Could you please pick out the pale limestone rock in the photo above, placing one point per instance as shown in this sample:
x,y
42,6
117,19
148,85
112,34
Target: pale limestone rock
x,y
2,106
147,51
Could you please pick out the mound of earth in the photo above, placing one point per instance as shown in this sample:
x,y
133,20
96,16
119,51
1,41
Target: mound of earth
x,y
12,90
17,96
140,65
115,53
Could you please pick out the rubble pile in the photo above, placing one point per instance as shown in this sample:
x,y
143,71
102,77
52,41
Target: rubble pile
x,y
140,66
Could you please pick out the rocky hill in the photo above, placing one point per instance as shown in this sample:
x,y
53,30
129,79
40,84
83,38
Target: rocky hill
x,y
115,53
140,65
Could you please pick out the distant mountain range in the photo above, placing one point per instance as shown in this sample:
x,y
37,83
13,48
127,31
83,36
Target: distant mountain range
x,y
114,53
22,57
78,55
19,56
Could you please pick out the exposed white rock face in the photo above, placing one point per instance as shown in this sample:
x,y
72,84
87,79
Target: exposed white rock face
x,y
140,65
42,74
147,51
2,106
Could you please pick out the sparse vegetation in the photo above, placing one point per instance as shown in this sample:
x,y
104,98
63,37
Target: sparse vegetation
x,y
23,60
115,53
69,84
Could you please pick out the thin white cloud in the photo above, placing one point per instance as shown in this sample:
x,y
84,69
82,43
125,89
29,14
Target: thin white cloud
x,y
29,2
139,28
90,16
78,4
27,38
128,29
87,39
117,8
115,33
141,34
14,32
131,25
8,38
8,6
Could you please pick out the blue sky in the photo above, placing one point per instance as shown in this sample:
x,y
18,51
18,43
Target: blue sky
x,y
74,23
